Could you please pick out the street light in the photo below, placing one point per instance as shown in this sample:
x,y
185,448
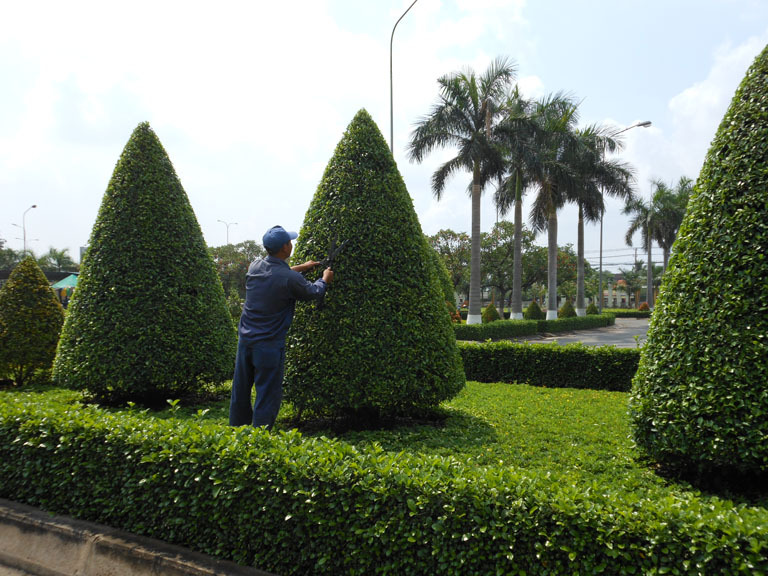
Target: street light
x,y
391,113
227,224
24,227
643,124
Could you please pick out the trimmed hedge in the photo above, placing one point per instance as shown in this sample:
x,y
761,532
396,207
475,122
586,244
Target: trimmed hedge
x,y
551,365
288,505
504,329
627,312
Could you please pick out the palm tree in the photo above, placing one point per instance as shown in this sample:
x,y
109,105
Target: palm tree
x,y
466,112
594,177
553,181
522,132
658,219
671,204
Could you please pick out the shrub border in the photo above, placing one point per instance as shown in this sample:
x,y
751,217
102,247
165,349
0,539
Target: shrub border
x,y
551,365
287,504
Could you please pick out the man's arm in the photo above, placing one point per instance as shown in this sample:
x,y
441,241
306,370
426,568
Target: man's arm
x,y
303,289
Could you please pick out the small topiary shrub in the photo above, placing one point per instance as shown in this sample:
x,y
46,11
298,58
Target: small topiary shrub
x,y
149,320
699,398
592,309
566,310
644,307
490,314
534,312
30,322
384,342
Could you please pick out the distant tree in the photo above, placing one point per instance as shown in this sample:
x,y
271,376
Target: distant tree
x,y
468,108
148,321
57,260
594,176
8,257
454,248
30,322
634,279
555,182
523,132
498,258
232,262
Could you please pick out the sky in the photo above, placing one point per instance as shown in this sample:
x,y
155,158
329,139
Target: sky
x,y
250,98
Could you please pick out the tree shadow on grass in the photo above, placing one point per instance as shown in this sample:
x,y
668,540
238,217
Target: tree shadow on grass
x,y
437,431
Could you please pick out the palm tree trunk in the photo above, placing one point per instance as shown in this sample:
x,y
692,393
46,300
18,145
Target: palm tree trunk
x,y
666,260
475,314
517,270
581,309
552,265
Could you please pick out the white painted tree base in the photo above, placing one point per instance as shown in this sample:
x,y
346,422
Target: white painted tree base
x,y
516,316
581,311
474,319
551,314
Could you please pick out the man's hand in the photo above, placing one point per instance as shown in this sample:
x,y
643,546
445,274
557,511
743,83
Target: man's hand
x,y
308,265
328,275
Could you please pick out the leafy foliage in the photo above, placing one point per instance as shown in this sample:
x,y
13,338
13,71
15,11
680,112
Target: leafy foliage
x,y
30,322
592,309
384,340
149,320
565,503
699,399
534,312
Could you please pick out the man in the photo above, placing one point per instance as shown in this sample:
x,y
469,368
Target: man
x,y
271,291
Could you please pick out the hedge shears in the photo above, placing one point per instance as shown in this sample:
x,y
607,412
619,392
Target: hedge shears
x,y
327,262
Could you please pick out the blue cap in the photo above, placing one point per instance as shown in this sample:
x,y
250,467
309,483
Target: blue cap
x,y
277,237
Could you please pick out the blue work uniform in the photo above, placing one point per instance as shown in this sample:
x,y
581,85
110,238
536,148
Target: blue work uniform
x,y
271,292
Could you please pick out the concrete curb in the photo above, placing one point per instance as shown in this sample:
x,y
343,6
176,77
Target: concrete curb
x,y
37,543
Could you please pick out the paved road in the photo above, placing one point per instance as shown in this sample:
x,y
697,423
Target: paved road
x,y
626,333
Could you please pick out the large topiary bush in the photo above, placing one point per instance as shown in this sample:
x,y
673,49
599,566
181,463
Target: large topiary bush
x,y
699,398
30,322
383,343
148,320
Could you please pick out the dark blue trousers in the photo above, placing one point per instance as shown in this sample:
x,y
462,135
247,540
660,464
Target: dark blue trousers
x,y
262,367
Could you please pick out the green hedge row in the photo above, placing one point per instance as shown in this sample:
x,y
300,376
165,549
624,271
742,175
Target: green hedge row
x,y
504,329
627,312
287,504
551,365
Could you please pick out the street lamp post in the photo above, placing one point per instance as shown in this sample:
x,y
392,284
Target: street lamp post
x,y
24,227
643,124
227,224
391,112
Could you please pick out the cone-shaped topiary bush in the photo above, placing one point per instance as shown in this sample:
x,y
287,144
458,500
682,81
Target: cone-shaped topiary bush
x,y
490,314
30,322
149,320
534,312
566,310
383,344
592,309
699,398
